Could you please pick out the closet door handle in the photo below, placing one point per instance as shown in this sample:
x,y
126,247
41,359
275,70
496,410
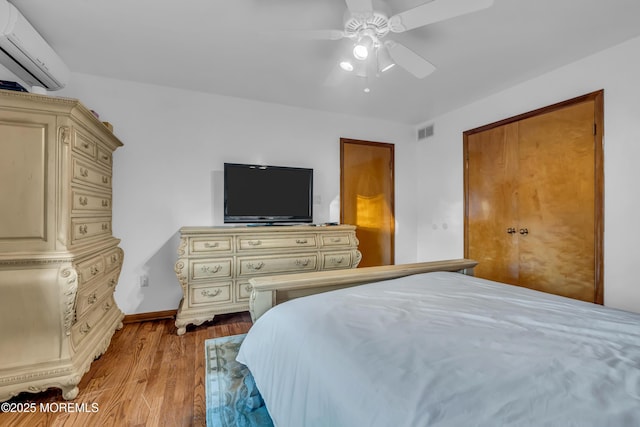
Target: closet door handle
x,y
524,231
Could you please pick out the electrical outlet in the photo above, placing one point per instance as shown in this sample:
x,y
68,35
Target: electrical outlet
x,y
144,281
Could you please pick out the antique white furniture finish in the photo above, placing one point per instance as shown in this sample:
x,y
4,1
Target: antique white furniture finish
x,y
215,263
59,263
269,291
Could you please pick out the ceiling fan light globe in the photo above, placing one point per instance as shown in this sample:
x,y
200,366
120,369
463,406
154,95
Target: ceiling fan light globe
x,y
360,52
346,65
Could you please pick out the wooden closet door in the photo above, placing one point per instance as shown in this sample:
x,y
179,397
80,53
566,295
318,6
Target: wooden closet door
x,y
533,199
556,202
492,203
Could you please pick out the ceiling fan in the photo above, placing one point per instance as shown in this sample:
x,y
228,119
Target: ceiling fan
x,y
368,27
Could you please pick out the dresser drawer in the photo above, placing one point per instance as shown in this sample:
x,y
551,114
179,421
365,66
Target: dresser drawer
x,y
258,242
212,245
87,228
90,321
82,144
113,259
336,240
98,279
87,173
337,260
219,293
210,268
105,157
250,266
84,200
90,270
243,290
92,296
112,279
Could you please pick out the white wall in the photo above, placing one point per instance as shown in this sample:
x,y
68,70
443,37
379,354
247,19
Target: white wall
x,y
168,174
617,71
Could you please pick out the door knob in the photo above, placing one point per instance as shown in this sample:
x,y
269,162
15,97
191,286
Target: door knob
x,y
524,231
511,230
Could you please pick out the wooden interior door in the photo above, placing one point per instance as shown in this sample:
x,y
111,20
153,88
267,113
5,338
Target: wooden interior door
x,y
533,199
367,198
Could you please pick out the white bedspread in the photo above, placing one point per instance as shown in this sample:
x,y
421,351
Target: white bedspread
x,y
443,349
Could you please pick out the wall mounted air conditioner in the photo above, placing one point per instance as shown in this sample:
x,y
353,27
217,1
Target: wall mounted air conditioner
x,y
26,54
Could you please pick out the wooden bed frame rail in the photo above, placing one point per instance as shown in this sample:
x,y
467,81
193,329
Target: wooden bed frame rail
x,y
268,291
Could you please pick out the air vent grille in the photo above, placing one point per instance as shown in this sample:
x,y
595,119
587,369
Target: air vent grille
x,y
425,132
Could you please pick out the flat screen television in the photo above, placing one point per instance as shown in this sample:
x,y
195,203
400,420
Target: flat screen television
x,y
267,194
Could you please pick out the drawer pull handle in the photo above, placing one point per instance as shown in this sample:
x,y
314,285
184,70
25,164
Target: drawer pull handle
x,y
83,201
85,144
105,203
302,263
252,266
84,172
83,229
336,240
335,260
112,282
114,258
92,298
105,157
210,294
105,179
247,288
85,328
106,306
105,226
301,241
254,242
208,269
211,245
94,270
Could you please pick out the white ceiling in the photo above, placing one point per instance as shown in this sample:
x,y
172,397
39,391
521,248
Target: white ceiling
x,y
244,48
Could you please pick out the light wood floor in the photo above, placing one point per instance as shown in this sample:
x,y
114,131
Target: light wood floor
x,y
148,376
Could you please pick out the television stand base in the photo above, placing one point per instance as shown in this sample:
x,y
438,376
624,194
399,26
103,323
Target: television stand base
x,y
215,263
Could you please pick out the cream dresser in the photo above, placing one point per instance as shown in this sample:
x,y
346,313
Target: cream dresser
x,y
215,263
59,263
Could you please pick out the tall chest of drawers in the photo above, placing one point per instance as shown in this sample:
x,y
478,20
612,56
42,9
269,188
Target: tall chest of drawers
x,y
59,262
215,263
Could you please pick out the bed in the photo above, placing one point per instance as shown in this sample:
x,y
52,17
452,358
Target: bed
x,y
438,348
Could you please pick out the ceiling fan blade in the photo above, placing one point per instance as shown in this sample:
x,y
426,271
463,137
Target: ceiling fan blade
x,y
409,60
434,11
360,6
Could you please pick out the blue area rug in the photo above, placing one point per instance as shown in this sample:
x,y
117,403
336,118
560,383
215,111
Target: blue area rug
x,y
232,397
